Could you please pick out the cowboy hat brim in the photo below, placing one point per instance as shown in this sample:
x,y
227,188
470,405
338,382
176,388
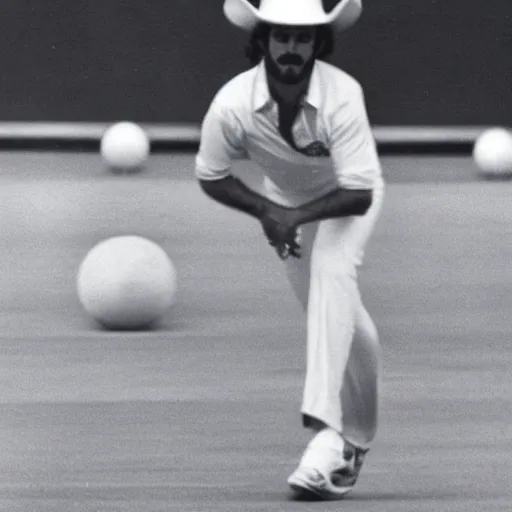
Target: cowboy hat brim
x,y
245,16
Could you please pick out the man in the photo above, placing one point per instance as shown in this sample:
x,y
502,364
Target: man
x,y
304,122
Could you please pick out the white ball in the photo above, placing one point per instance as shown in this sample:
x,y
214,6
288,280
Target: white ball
x,y
125,146
126,282
492,152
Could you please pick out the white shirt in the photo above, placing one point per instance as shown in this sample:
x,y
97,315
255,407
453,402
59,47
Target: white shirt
x,y
242,122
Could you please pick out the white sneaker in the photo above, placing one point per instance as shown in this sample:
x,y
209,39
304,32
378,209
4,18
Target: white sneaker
x,y
328,469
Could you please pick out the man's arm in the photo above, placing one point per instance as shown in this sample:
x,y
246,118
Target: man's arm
x,y
355,161
232,192
222,138
277,221
341,202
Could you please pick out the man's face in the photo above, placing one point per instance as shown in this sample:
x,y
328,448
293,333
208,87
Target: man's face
x,y
290,53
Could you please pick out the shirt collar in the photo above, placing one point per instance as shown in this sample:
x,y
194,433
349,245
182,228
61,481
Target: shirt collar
x,y
261,93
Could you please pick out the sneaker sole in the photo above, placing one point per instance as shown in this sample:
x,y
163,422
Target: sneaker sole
x,y
307,490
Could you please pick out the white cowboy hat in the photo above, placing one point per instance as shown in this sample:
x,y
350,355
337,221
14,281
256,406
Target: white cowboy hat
x,y
292,12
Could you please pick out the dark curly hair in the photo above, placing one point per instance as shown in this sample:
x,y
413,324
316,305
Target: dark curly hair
x,y
255,48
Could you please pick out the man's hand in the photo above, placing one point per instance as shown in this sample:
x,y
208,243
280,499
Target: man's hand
x,y
290,247
280,227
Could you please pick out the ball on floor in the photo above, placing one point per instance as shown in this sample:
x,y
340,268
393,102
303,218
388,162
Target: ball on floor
x,y
125,147
492,153
126,283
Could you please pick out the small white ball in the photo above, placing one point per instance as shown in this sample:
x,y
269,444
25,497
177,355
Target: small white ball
x,y
492,152
125,146
126,282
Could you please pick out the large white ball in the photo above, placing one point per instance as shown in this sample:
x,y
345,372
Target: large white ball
x,y
125,146
492,152
127,282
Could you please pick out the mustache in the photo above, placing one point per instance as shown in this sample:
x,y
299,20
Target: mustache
x,y
290,59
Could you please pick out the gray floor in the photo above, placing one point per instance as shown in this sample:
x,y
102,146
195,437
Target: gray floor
x,y
202,413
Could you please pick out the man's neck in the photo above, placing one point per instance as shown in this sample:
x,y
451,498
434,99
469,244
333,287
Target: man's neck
x,y
288,94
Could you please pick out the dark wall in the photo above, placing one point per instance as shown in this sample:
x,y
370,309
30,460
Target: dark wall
x,y
420,61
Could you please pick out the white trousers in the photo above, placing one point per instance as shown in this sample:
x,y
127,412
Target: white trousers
x,y
343,352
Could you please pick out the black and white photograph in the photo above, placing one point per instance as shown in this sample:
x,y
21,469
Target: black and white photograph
x,y
256,256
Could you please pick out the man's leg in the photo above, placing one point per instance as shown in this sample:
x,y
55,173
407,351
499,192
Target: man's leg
x,y
361,383
343,355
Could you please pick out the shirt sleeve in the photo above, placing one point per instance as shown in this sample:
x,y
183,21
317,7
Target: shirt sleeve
x,y
221,142
353,148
